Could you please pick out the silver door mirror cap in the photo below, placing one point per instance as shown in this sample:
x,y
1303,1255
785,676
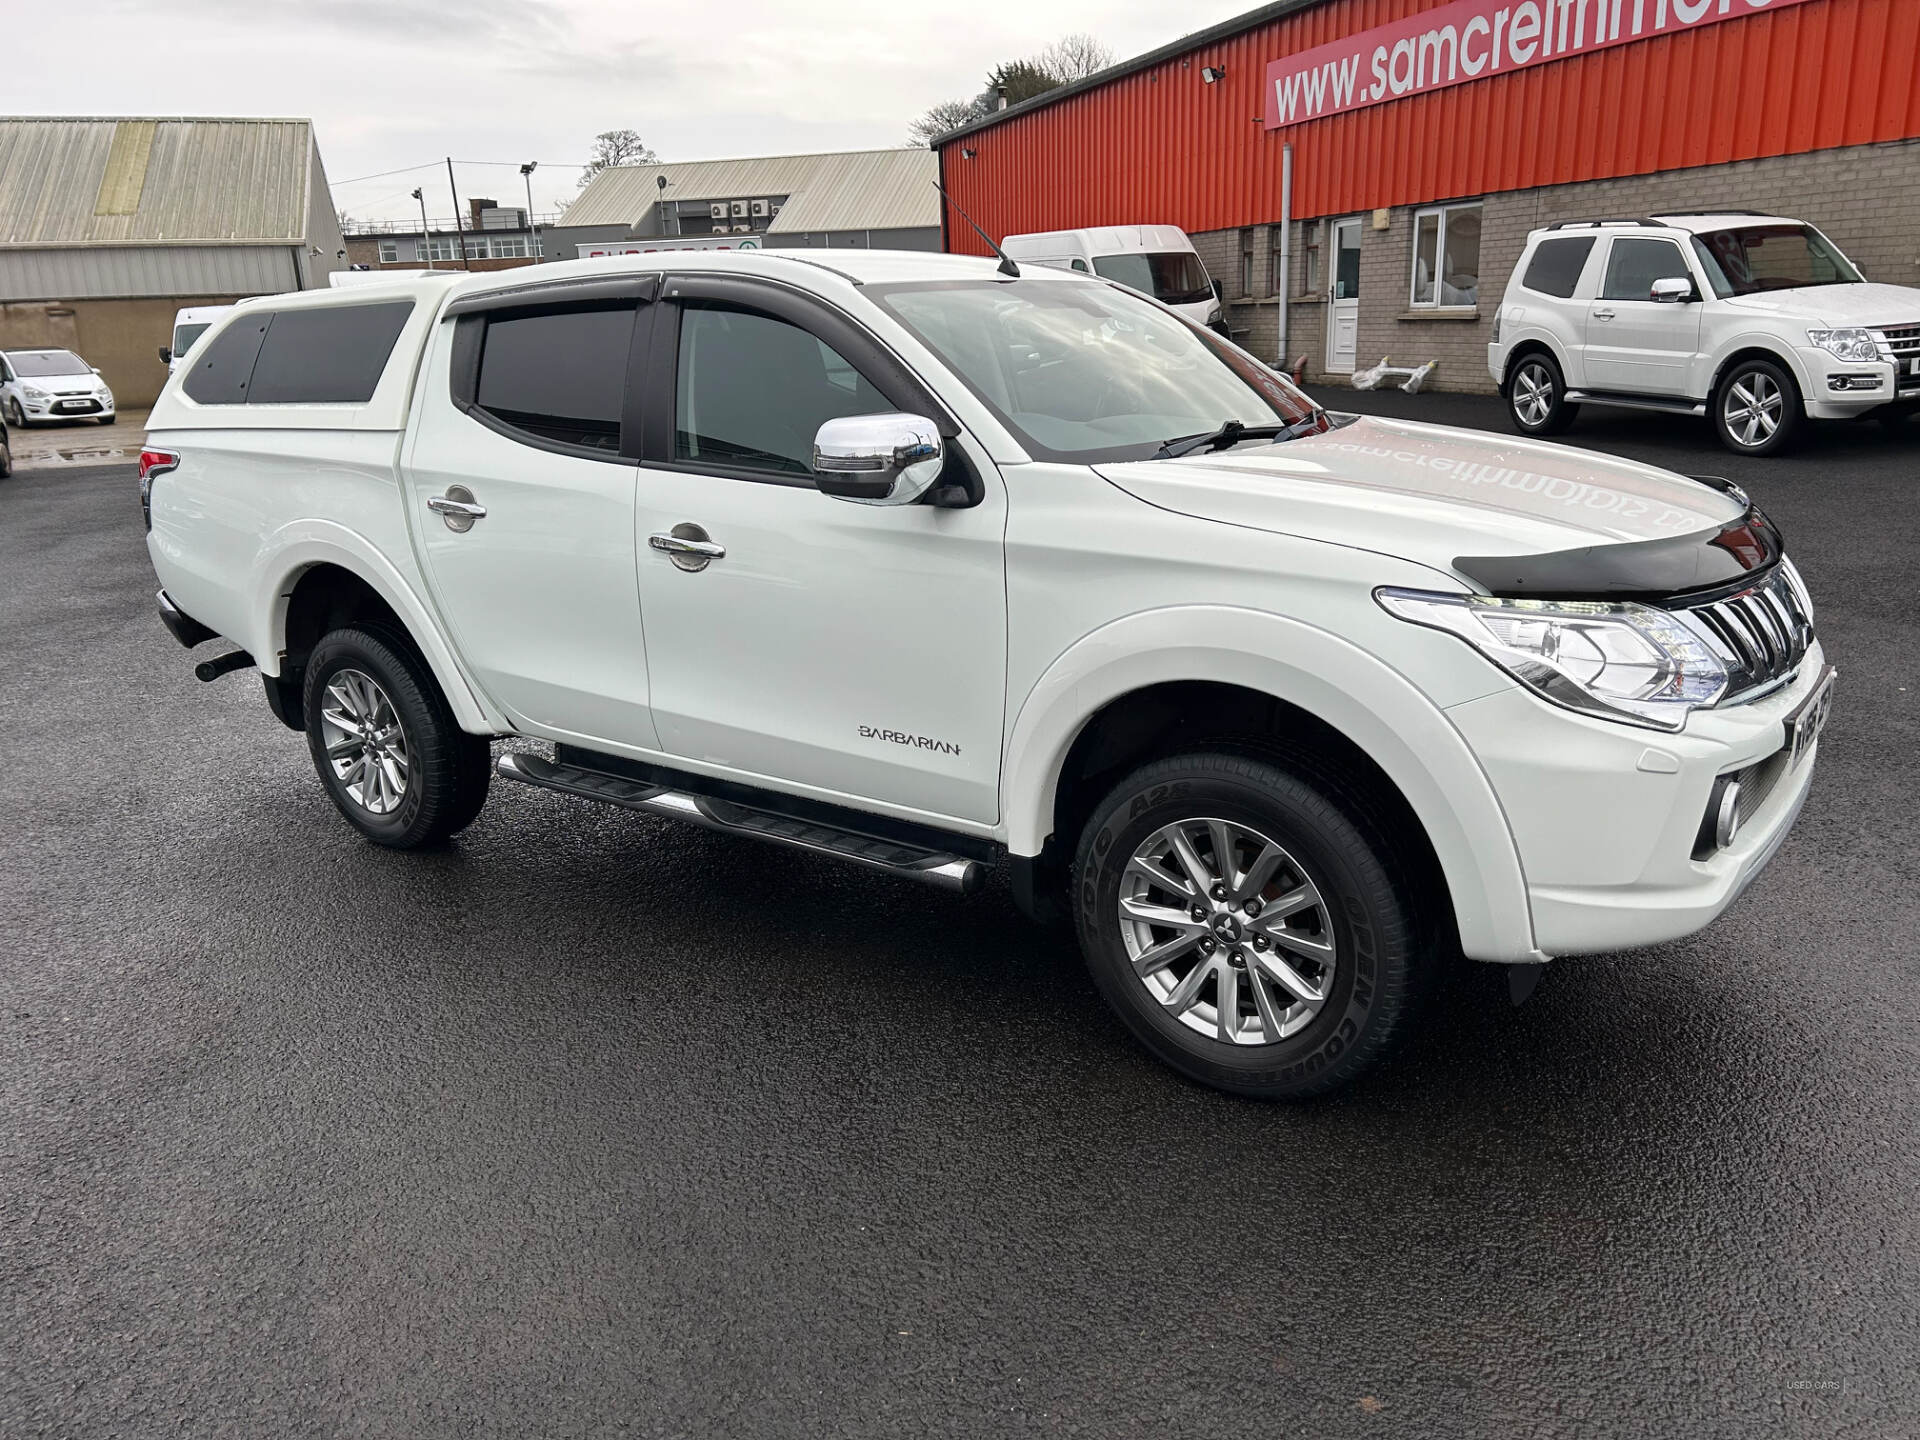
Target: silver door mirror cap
x,y
1673,290
877,459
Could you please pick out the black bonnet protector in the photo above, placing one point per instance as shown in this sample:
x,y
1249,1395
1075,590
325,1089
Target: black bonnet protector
x,y
1675,565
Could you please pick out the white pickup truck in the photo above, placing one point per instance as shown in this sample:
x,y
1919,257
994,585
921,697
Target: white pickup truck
x,y
929,565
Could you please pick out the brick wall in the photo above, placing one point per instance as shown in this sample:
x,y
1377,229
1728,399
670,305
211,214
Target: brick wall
x,y
1866,197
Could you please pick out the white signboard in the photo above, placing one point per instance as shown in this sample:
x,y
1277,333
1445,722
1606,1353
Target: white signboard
x,y
595,250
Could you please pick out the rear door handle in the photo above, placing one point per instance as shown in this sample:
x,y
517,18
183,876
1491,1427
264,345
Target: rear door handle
x,y
458,508
674,545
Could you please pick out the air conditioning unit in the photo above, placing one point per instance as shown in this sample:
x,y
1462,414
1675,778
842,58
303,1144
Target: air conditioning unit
x,y
717,210
743,229
723,229
760,207
739,209
774,208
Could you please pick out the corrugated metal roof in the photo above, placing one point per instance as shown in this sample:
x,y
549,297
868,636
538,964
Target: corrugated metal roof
x,y
857,190
139,181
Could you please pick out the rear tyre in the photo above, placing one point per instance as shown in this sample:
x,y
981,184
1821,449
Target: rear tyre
x,y
1537,397
385,743
1248,929
1757,408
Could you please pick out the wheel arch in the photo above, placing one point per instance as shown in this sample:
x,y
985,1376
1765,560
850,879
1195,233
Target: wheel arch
x,y
1337,698
324,574
1758,348
1532,345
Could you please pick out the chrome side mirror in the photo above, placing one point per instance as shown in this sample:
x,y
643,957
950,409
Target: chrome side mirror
x,y
877,459
1673,290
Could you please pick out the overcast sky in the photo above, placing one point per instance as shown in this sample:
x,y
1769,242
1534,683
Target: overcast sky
x,y
392,83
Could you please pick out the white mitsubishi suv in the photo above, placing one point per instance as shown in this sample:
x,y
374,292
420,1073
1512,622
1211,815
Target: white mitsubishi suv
x,y
1757,320
937,567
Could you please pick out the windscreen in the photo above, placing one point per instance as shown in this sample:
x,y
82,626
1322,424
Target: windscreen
x,y
1750,259
1173,277
29,363
1084,372
185,335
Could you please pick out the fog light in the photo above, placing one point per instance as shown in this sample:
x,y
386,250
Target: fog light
x,y
1853,382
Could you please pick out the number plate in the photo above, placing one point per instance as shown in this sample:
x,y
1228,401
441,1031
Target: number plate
x,y
1805,724
71,405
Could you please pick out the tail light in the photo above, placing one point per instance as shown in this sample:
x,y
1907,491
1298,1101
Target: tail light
x,y
153,463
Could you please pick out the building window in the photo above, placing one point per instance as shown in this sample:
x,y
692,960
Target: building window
x,y
1310,258
389,252
477,250
443,247
1446,256
1246,262
509,247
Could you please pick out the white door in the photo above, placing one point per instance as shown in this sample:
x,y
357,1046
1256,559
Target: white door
x,y
854,649
537,592
1343,297
1635,345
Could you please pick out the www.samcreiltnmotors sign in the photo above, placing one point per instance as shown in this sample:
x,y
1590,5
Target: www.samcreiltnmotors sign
x,y
1470,40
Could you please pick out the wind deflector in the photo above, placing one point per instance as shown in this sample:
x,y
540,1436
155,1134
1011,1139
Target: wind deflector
x,y
1675,565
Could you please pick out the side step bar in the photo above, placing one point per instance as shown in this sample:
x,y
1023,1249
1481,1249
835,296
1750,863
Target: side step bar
x,y
912,862
1636,402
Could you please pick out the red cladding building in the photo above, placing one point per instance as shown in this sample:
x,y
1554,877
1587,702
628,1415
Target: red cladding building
x,y
1428,137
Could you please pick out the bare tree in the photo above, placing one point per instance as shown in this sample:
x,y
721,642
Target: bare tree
x,y
947,115
1070,58
1074,57
616,147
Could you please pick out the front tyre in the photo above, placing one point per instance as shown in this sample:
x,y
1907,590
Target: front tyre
x,y
1757,408
1247,928
1537,397
385,743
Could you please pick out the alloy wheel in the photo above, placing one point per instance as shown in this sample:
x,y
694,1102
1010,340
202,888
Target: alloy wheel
x,y
1533,394
1753,408
366,744
1227,931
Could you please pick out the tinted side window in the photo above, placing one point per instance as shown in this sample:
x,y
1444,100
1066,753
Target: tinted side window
x,y
752,391
560,376
221,375
1556,266
333,355
1633,265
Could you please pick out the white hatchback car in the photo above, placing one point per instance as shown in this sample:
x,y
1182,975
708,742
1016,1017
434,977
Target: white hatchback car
x,y
40,385
1759,321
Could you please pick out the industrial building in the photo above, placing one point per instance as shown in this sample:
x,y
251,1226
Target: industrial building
x,y
881,199
490,236
1361,175
109,225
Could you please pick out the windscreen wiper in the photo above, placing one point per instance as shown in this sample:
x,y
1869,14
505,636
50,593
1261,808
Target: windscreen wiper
x,y
1231,434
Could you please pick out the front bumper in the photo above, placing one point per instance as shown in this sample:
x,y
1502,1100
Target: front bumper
x,y
1606,817
1840,390
68,407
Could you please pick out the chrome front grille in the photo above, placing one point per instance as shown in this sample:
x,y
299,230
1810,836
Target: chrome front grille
x,y
1902,341
1761,634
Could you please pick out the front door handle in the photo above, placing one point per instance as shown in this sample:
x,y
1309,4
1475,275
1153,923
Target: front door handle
x,y
458,508
1603,314
688,546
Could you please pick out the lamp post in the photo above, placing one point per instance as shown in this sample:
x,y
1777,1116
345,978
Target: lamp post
x,y
426,242
533,231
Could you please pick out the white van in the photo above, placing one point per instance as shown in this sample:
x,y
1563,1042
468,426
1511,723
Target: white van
x,y
1156,260
188,326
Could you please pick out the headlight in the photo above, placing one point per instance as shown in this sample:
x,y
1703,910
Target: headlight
x,y
1853,346
1617,661
33,394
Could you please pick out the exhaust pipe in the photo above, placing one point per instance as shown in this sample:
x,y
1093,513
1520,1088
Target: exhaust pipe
x,y
213,669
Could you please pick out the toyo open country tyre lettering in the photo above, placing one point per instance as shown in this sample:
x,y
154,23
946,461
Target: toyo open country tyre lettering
x,y
385,743
1536,397
1246,926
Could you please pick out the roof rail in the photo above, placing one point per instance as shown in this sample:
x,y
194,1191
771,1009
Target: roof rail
x,y
1720,210
1609,220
